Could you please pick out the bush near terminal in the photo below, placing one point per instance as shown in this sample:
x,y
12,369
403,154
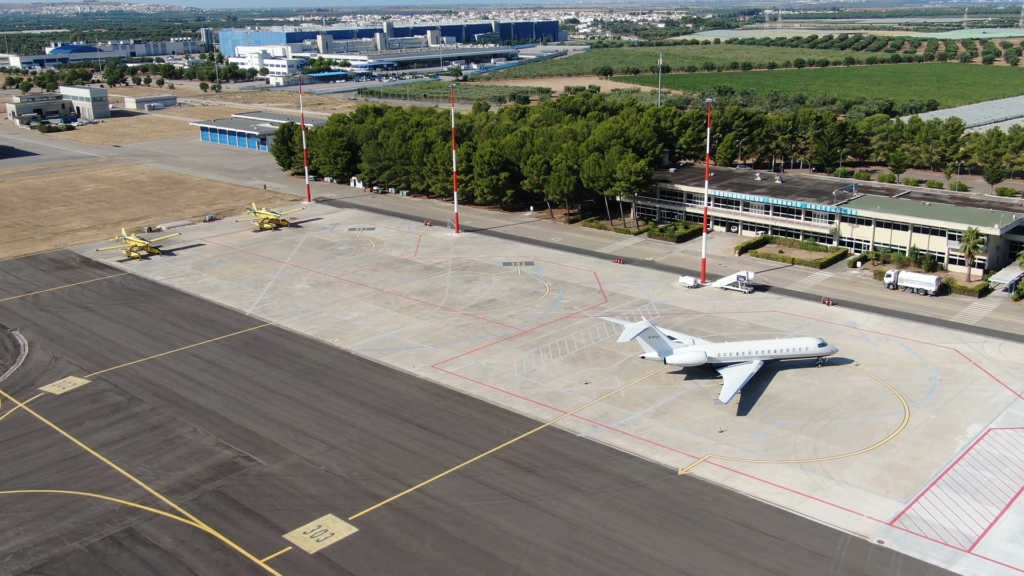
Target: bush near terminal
x,y
950,84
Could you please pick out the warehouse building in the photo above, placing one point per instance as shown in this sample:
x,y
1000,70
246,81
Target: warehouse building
x,y
864,217
27,108
458,32
250,130
98,53
154,102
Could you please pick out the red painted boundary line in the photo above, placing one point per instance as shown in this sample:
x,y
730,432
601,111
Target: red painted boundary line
x,y
939,542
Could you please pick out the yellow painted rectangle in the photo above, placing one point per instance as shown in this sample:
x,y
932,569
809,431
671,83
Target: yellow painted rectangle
x,y
64,385
320,533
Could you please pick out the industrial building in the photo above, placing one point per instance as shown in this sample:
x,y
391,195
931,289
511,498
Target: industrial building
x,y
75,53
983,116
26,108
865,217
456,32
154,102
251,130
90,103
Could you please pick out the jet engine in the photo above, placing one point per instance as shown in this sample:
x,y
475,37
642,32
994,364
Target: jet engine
x,y
693,358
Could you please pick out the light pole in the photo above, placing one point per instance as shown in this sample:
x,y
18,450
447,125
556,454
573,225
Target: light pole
x,y
959,163
455,171
659,79
305,153
707,179
741,151
841,154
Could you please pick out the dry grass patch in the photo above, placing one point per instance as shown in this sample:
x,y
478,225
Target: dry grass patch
x,y
56,166
128,129
87,205
201,112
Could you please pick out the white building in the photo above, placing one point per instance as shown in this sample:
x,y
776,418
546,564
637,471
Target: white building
x,y
276,66
88,102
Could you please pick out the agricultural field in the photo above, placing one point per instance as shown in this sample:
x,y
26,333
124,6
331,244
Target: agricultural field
x,y
951,84
678,57
466,92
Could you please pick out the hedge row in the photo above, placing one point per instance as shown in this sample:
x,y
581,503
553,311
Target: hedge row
x,y
677,232
971,291
633,232
852,262
593,223
829,260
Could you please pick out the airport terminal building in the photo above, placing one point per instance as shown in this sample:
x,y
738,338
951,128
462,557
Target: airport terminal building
x,y
870,216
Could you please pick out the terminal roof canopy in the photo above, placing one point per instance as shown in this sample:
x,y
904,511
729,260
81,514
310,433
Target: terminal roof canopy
x,y
912,202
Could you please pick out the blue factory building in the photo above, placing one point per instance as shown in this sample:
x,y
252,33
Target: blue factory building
x,y
463,33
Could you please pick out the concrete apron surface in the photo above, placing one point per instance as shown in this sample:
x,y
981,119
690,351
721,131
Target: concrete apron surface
x,y
912,435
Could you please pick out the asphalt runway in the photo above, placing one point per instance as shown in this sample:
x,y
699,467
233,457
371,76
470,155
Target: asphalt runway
x,y
239,432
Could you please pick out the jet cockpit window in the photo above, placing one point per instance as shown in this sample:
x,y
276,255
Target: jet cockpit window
x,y
822,345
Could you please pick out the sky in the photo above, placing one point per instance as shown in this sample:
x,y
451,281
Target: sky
x,y
368,4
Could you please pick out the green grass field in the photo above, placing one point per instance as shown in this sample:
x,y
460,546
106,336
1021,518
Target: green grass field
x,y
678,57
952,84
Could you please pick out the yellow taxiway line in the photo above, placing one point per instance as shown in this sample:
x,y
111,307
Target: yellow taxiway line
x,y
62,287
906,420
191,519
25,402
509,443
179,349
276,554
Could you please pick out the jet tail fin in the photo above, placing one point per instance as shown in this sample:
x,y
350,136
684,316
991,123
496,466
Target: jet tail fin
x,y
654,342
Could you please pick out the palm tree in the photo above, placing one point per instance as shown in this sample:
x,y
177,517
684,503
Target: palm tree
x,y
971,245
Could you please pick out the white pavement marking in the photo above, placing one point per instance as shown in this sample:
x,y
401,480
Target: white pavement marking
x,y
961,506
975,311
278,273
627,242
816,278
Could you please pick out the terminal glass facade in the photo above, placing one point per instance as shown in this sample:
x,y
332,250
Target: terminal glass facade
x,y
233,138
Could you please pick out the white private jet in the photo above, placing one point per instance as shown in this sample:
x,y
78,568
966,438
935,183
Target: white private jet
x,y
737,362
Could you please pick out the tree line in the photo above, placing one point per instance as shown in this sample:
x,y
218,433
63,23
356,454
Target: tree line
x,y
586,147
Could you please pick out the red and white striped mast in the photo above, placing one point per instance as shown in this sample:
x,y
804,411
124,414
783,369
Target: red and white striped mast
x,y
455,171
707,179
305,153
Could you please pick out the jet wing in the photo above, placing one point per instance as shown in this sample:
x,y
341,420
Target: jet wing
x,y
736,377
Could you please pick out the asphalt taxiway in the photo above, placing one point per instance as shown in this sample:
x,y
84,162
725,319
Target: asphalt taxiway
x,y
203,436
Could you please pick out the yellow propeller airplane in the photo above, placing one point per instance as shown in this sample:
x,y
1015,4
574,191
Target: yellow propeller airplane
x,y
265,218
136,245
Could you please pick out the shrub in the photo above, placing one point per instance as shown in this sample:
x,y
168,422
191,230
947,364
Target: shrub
x,y
861,175
677,232
887,177
852,262
843,172
959,187
878,274
573,219
977,291
632,232
751,244
593,223
935,184
1006,191
912,181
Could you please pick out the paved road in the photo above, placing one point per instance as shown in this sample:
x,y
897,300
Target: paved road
x,y
263,431
1008,324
